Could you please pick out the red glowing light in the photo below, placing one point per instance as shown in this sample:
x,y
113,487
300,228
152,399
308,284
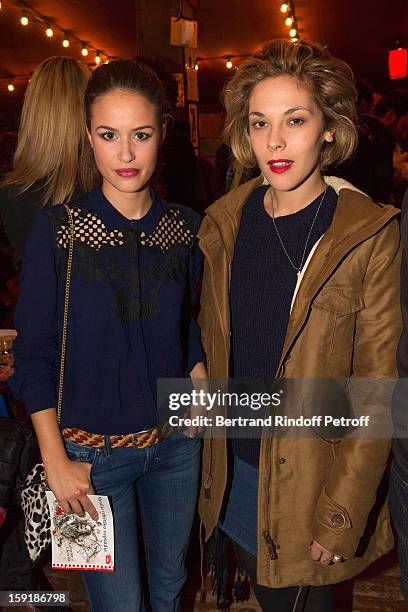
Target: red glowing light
x,y
397,63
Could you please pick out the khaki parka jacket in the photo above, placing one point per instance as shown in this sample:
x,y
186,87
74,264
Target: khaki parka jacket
x,y
345,322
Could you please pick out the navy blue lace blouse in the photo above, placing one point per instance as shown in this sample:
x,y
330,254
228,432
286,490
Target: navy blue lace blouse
x,y
133,291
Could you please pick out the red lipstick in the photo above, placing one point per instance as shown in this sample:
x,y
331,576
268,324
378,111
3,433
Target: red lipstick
x,y
127,172
280,165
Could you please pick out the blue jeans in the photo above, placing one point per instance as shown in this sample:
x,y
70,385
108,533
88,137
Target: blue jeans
x,y
398,502
156,487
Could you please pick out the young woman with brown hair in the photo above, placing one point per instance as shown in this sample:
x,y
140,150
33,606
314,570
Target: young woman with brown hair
x,y
300,282
135,272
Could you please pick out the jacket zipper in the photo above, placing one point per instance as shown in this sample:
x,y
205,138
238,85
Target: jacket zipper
x,y
270,545
208,480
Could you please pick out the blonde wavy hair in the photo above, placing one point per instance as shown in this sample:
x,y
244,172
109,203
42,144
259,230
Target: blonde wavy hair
x,y
52,130
330,81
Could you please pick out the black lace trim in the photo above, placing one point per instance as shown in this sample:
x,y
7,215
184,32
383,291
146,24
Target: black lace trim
x,y
96,260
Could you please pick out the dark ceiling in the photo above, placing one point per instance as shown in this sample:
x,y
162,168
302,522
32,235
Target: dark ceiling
x,y
359,31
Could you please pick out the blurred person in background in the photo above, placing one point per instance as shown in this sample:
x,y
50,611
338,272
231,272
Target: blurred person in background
x,y
392,110
50,143
365,96
9,267
177,176
222,160
398,495
232,172
371,167
8,142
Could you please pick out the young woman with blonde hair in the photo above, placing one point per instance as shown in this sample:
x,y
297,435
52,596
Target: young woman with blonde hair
x,y
51,140
300,282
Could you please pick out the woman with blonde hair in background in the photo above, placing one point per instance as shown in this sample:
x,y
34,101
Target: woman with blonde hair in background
x,y
300,282
51,140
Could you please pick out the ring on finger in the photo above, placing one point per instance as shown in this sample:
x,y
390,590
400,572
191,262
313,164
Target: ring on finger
x,y
336,558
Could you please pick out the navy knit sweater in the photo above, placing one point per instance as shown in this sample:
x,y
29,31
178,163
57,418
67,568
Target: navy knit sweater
x,y
133,290
262,286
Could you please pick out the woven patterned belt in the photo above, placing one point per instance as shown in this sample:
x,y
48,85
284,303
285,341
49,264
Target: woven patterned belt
x,y
143,439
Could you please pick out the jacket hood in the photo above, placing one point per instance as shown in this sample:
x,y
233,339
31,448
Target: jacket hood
x,y
356,213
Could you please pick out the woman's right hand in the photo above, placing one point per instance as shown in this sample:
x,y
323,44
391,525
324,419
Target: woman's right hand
x,y
71,484
70,481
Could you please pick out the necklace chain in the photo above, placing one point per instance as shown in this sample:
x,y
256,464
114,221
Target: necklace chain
x,y
298,269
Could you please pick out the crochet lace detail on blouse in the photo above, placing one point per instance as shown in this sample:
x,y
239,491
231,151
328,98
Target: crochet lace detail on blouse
x,y
172,230
90,230
168,246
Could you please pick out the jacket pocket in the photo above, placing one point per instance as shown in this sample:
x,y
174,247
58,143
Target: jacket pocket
x,y
332,515
333,318
85,454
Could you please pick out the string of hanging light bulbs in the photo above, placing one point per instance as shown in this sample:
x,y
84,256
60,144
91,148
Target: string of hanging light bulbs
x,y
288,9
229,64
30,15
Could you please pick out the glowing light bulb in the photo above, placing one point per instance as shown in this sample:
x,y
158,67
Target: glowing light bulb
x,y
84,51
49,32
288,21
196,67
284,7
65,42
229,64
98,57
10,87
292,32
24,20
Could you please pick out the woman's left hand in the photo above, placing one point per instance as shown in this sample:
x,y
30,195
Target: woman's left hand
x,y
318,553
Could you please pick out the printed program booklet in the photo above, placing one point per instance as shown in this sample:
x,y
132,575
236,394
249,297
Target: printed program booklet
x,y
80,542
